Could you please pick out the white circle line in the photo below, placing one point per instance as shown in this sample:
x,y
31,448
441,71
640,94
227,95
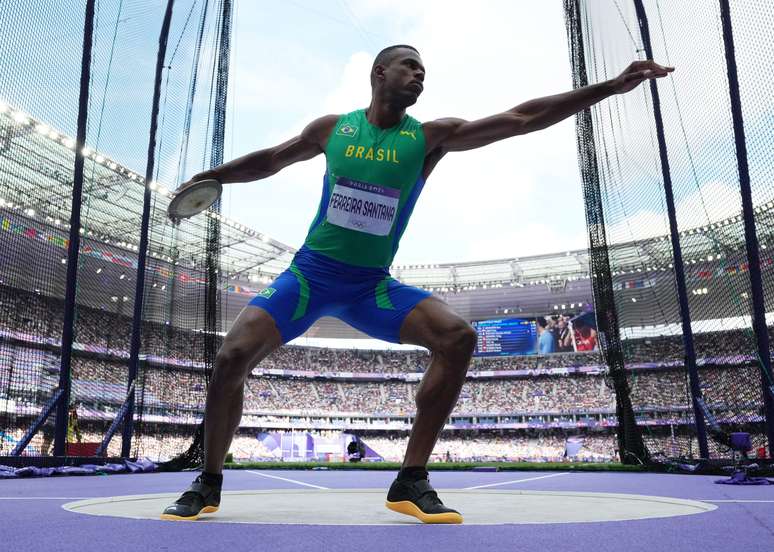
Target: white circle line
x,y
679,507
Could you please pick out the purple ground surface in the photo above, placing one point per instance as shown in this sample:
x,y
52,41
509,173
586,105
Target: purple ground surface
x,y
31,517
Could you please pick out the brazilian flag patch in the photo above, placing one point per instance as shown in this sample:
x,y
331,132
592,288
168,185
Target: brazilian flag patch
x,y
267,292
347,130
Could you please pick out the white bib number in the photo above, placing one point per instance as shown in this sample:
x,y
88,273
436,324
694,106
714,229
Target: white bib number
x,y
363,207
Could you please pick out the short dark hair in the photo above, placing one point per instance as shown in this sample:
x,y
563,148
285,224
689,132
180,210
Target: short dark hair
x,y
386,56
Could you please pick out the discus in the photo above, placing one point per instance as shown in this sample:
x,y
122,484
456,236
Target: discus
x,y
196,198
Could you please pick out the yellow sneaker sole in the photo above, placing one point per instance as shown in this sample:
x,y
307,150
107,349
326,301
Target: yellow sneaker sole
x,y
410,509
205,510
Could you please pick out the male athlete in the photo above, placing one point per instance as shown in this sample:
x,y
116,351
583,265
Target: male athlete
x,y
378,159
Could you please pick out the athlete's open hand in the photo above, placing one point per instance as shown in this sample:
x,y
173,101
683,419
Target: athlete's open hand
x,y
196,178
638,72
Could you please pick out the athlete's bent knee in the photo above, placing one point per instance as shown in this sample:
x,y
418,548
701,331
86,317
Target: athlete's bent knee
x,y
458,343
230,366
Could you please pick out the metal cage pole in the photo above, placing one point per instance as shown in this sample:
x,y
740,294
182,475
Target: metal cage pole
x,y
631,448
134,351
60,435
682,293
750,234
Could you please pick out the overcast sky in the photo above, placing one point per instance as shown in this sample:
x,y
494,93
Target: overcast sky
x,y
296,60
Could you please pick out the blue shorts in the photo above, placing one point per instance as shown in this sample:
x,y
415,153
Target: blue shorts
x,y
315,285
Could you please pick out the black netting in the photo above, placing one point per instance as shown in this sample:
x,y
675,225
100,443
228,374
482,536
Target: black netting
x,y
40,73
627,210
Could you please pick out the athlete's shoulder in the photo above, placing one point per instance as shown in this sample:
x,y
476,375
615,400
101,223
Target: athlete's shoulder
x,y
438,130
320,129
326,122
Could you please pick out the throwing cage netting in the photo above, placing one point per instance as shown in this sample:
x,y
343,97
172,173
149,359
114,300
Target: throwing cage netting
x,y
109,313
677,179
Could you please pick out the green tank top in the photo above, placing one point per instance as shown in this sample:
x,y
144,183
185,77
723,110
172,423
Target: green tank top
x,y
372,181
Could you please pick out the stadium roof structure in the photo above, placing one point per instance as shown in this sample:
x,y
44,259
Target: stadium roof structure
x,y
37,182
37,179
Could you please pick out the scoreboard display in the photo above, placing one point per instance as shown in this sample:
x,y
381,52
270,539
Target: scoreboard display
x,y
509,336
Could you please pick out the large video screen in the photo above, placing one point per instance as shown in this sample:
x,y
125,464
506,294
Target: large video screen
x,y
553,333
510,336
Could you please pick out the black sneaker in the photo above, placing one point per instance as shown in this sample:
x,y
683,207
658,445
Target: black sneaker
x,y
419,499
198,499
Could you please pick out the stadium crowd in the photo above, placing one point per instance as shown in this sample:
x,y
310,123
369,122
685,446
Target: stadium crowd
x,y
41,317
29,373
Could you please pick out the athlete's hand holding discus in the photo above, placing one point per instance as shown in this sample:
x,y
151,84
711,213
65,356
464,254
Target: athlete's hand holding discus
x,y
194,196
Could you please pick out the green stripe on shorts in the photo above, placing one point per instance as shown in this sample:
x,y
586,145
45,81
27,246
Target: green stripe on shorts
x,y
303,293
382,298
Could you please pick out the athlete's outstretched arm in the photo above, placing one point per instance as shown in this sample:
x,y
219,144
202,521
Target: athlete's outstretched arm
x,y
459,135
266,162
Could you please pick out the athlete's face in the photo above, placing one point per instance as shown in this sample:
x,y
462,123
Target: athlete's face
x,y
403,78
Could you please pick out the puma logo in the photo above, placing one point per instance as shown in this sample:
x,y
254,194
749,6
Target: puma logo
x,y
410,133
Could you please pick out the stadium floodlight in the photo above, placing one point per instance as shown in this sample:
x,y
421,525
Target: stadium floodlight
x,y
3,107
20,117
99,159
86,151
64,261
42,129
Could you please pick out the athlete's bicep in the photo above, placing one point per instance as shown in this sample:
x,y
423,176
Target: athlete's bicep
x,y
461,135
